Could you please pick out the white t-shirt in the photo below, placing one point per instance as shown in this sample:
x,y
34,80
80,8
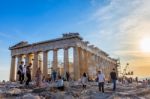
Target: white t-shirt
x,y
84,80
101,77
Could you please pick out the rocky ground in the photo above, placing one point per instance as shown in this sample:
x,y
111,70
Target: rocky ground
x,y
73,90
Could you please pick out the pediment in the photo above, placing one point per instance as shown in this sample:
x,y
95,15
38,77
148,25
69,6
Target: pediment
x,y
20,44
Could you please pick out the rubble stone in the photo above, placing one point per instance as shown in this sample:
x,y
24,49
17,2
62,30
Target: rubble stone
x,y
75,91
30,96
14,91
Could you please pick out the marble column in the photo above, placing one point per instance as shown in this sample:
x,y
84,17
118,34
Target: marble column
x,y
19,57
27,59
66,60
76,63
97,63
55,60
45,63
101,63
85,61
12,69
89,62
31,58
35,64
109,70
81,65
105,66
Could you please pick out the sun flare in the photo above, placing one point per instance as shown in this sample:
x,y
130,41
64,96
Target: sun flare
x,y
145,45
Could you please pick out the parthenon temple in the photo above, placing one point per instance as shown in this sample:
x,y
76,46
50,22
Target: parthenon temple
x,y
86,58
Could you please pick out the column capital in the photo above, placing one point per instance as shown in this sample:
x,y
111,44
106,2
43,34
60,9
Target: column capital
x,y
46,51
55,49
66,48
20,55
35,52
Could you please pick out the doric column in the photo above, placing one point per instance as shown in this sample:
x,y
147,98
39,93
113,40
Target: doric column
x,y
66,60
98,63
76,63
109,69
105,66
35,64
89,61
19,57
13,68
102,65
96,60
81,64
45,63
101,62
27,59
85,61
55,63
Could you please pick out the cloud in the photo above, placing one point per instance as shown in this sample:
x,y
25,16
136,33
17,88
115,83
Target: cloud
x,y
122,23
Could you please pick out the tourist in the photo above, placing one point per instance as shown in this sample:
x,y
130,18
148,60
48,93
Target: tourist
x,y
84,80
38,77
101,80
113,77
60,83
54,75
146,80
28,73
136,80
144,83
3,81
20,72
67,76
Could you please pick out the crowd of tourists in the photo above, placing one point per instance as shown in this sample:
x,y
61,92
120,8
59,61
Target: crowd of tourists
x,y
24,75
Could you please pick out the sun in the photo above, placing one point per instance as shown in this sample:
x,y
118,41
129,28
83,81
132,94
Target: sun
x,y
145,44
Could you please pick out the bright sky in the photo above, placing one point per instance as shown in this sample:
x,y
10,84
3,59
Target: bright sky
x,y
119,27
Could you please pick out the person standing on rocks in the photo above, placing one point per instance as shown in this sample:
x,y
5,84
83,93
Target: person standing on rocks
x,y
67,76
136,80
84,80
101,80
54,75
20,72
113,77
28,73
